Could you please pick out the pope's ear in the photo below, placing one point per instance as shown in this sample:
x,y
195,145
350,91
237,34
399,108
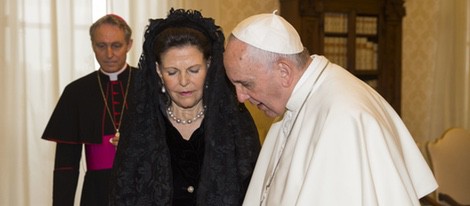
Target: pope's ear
x,y
286,73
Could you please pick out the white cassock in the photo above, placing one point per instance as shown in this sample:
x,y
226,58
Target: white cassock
x,y
338,143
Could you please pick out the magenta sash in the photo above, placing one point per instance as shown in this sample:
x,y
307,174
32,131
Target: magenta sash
x,y
100,156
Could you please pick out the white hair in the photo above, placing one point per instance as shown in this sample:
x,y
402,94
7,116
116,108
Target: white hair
x,y
268,58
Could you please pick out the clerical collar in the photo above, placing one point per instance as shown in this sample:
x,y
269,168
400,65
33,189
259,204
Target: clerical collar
x,y
310,69
114,75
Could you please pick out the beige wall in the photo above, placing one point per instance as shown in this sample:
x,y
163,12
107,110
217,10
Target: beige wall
x,y
419,55
227,14
233,11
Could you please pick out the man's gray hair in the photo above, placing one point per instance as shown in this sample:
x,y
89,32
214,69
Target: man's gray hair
x,y
115,20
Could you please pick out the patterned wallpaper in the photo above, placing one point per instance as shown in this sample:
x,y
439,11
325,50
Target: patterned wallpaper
x,y
234,11
419,53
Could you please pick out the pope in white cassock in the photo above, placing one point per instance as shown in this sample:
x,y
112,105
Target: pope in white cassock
x,y
336,140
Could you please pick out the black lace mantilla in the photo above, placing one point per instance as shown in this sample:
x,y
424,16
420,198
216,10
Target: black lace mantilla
x,y
142,169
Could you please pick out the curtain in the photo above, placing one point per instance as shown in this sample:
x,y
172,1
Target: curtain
x,y
44,45
450,105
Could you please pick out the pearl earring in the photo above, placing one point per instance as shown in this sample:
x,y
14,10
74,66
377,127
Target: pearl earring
x,y
163,90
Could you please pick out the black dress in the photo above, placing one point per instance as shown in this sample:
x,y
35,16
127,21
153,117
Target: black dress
x,y
186,163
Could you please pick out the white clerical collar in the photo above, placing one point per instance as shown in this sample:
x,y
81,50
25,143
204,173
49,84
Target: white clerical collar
x,y
114,75
306,83
309,71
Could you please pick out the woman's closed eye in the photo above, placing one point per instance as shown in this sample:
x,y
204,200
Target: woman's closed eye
x,y
172,72
194,70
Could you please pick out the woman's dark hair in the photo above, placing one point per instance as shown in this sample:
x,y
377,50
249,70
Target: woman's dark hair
x,y
180,37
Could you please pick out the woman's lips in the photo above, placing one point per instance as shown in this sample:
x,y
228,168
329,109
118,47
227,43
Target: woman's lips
x,y
187,93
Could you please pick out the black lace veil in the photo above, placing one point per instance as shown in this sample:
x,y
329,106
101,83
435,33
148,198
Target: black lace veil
x,y
142,167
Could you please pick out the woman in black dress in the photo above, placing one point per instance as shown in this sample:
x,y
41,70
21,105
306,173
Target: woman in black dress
x,y
190,141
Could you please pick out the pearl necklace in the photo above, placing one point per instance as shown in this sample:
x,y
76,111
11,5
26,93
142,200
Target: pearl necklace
x,y
188,121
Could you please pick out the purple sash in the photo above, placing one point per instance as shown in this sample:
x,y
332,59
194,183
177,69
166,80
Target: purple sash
x,y
100,156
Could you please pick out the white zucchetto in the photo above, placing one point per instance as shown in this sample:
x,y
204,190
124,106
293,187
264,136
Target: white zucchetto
x,y
269,32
